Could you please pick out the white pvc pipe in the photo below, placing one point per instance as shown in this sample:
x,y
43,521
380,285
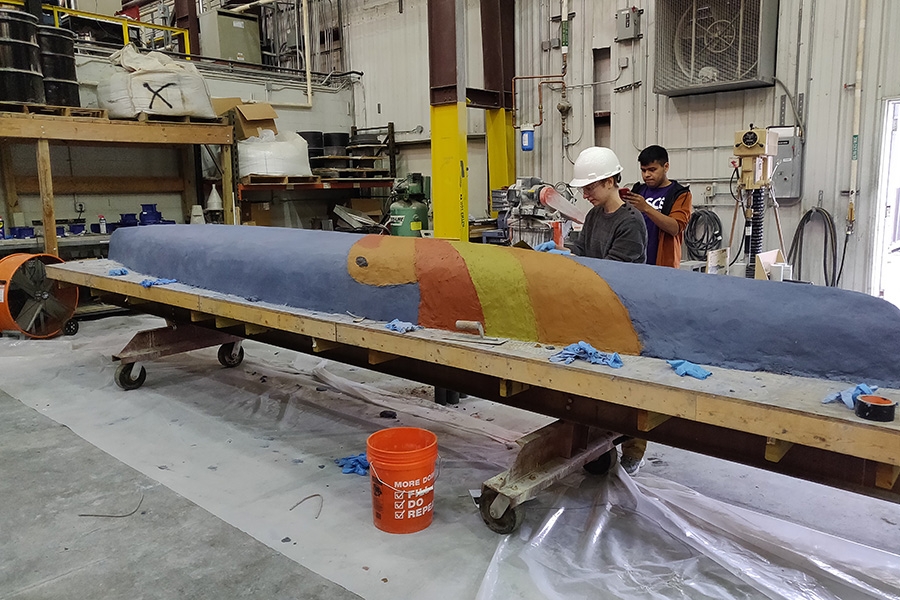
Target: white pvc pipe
x,y
306,51
857,107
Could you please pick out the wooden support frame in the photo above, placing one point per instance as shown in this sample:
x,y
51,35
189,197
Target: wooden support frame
x,y
48,208
44,129
648,420
9,184
731,415
776,449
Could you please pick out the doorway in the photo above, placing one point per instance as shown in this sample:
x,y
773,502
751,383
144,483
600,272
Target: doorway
x,y
886,273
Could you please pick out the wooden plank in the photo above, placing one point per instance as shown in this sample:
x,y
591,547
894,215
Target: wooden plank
x,y
783,407
45,177
376,357
251,329
199,317
103,185
886,476
324,345
223,322
187,170
647,420
510,388
83,129
9,184
776,449
232,217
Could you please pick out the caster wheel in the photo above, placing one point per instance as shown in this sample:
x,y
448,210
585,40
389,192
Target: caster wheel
x,y
125,381
508,522
602,465
227,358
71,327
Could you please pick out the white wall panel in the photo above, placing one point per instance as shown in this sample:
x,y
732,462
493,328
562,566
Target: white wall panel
x,y
816,56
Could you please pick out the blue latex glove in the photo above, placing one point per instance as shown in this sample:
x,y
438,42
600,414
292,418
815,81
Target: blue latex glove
x,y
401,326
684,367
353,464
551,248
151,282
584,351
118,272
849,396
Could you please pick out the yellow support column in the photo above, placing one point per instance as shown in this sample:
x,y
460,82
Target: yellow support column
x,y
499,174
511,145
450,171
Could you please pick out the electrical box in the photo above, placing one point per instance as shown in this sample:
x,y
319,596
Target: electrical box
x,y
788,176
99,7
230,35
628,24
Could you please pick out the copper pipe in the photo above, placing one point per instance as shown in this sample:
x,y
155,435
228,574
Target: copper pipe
x,y
540,98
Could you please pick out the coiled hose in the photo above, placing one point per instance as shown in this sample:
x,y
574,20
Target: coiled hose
x,y
795,255
702,234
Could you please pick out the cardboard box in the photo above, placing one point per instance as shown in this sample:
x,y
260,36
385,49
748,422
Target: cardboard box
x,y
256,213
371,206
249,119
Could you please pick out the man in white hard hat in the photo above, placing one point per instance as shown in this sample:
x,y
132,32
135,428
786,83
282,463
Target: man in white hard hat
x,y
612,229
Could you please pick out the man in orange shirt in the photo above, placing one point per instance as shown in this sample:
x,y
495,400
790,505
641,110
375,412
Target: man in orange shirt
x,y
666,206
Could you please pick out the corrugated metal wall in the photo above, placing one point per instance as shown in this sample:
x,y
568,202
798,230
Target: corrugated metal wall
x,y
816,56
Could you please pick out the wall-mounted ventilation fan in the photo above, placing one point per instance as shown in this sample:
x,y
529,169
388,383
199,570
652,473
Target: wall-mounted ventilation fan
x,y
714,45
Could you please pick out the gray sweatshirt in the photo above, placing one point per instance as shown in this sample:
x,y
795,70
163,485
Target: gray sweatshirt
x,y
621,235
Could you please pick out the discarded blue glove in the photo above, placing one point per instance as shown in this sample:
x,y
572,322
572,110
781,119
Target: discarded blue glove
x,y
584,351
401,326
353,464
151,282
684,367
118,272
849,396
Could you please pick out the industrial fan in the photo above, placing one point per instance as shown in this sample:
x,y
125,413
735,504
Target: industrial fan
x,y
715,45
30,302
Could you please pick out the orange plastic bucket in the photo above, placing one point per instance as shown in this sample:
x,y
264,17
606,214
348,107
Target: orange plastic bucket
x,y
402,461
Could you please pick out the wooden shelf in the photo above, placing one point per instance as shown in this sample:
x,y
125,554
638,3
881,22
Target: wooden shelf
x,y
92,130
45,128
324,184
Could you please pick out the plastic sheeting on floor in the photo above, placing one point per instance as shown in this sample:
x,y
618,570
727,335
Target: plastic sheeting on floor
x,y
247,443
649,539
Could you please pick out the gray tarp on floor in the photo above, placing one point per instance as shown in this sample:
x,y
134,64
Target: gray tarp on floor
x,y
247,443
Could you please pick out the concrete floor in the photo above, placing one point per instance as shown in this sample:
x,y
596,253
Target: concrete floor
x,y
210,452
169,548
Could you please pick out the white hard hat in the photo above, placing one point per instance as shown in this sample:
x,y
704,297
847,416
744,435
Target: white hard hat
x,y
593,164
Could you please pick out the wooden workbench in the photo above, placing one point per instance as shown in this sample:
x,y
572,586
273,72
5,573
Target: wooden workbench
x,y
776,422
44,129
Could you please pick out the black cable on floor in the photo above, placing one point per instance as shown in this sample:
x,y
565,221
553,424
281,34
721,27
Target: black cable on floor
x,y
703,233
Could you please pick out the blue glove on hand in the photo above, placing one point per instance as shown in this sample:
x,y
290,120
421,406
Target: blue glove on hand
x,y
546,246
849,396
684,367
